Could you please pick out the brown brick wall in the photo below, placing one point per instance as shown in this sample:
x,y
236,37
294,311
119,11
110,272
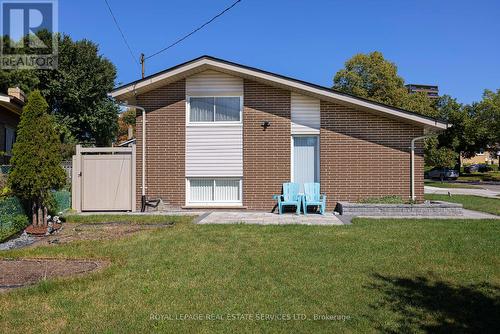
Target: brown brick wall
x,y
362,154
165,144
365,155
266,154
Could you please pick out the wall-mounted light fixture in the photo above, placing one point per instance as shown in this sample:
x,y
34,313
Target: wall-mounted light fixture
x,y
265,125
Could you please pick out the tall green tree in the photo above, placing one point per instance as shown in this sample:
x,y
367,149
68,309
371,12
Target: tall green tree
x,y
443,157
487,112
473,127
373,77
36,160
76,91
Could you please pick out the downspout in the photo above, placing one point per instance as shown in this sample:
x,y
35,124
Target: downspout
x,y
412,165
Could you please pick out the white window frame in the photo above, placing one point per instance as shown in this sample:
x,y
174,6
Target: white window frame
x,y
292,156
214,122
213,203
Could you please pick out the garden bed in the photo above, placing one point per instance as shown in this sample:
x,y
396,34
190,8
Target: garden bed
x,y
19,273
431,208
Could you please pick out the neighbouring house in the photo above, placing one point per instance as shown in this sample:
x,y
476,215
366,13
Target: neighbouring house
x,y
11,105
489,157
224,135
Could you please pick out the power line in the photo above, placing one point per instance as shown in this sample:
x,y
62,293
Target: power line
x,y
194,31
121,32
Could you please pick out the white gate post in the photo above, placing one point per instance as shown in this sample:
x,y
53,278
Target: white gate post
x,y
77,180
133,177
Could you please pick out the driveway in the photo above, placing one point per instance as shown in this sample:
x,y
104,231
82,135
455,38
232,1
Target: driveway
x,y
491,191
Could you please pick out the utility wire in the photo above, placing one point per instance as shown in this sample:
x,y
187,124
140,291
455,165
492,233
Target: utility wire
x,y
121,32
194,31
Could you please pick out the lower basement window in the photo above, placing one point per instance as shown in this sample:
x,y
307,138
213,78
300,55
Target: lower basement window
x,y
216,191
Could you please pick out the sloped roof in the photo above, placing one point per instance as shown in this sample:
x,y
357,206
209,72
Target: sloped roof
x,y
204,63
11,103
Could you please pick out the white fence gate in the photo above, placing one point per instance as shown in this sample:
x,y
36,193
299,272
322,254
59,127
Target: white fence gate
x,y
103,179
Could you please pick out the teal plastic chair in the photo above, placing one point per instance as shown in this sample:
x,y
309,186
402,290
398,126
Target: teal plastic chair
x,y
312,197
290,197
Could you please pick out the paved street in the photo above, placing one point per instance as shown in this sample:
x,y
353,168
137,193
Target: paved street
x,y
488,191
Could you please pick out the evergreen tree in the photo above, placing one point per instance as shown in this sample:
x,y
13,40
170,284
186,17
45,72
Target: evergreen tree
x,y
36,160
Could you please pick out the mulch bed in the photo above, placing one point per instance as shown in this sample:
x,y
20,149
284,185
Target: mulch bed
x,y
40,230
19,273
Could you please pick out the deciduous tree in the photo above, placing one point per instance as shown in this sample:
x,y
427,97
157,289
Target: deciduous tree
x,y
76,91
373,77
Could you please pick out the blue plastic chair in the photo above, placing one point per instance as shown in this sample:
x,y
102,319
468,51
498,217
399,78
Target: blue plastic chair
x,y
290,197
312,197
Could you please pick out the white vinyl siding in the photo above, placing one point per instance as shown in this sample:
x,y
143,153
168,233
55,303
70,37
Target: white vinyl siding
x,y
213,150
214,191
305,112
212,83
214,139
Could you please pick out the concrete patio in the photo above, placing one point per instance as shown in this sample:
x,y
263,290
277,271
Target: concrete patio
x,y
267,218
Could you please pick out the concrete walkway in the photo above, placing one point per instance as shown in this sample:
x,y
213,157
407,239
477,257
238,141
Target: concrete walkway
x,y
267,218
467,214
462,191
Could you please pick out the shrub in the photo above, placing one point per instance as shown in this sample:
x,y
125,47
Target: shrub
x,y
10,206
19,222
12,216
391,199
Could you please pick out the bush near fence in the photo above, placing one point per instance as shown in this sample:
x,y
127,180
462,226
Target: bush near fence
x,y
12,217
62,201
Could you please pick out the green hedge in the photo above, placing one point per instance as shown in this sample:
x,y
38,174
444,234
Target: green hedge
x,y
62,200
12,217
11,206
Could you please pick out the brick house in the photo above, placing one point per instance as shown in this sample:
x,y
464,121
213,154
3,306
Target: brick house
x,y
224,135
10,113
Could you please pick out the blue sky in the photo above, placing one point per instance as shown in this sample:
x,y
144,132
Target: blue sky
x,y
454,44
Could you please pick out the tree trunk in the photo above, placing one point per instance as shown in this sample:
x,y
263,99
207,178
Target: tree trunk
x,y
44,216
39,212
33,213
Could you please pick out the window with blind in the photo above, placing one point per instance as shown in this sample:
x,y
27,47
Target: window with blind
x,y
215,109
209,191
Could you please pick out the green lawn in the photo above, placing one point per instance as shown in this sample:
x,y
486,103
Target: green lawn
x,y
489,205
393,276
438,184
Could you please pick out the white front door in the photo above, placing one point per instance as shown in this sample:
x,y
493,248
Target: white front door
x,y
305,160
